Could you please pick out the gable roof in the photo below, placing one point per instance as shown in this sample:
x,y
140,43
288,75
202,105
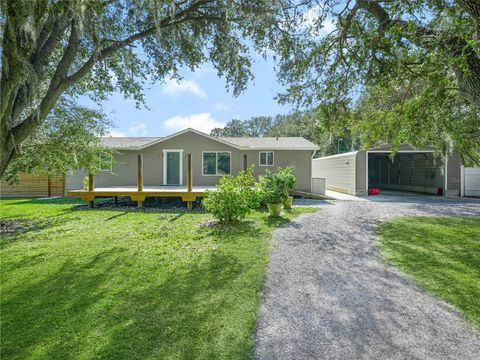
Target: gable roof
x,y
272,143
252,143
126,142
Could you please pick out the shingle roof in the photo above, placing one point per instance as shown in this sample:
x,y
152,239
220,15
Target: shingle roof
x,y
272,143
126,142
246,143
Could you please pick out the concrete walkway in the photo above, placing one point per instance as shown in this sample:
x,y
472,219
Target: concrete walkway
x,y
330,295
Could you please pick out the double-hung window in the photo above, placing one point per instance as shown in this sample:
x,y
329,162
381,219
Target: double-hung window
x,y
216,163
266,158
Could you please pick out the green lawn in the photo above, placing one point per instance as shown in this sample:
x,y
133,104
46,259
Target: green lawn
x,y
81,283
442,254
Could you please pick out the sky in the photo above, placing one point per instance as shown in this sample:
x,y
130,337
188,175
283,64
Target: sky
x,y
200,101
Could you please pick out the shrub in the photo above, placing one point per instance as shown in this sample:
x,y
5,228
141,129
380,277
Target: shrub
x,y
234,197
274,186
289,179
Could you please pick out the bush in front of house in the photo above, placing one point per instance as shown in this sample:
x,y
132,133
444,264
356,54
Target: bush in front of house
x,y
274,188
234,197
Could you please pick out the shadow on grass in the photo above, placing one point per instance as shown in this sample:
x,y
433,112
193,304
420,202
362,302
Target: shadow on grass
x,y
75,311
13,229
440,253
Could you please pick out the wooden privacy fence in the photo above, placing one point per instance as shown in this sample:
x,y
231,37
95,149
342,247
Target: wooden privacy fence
x,y
30,185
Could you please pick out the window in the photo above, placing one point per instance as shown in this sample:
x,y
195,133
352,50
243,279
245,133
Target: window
x,y
216,163
106,161
266,158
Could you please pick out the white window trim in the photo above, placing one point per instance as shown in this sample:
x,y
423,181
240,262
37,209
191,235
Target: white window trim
x,y
165,151
111,165
265,152
216,162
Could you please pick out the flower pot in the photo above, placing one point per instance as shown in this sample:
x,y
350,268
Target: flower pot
x,y
274,209
288,203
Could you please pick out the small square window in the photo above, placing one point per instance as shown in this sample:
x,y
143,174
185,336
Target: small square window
x,y
266,158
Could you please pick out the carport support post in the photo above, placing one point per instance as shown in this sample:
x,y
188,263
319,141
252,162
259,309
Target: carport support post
x,y
189,179
140,177
91,188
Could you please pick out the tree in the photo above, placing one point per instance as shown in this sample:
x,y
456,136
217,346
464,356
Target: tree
x,y
317,126
421,114
427,48
51,48
234,128
68,139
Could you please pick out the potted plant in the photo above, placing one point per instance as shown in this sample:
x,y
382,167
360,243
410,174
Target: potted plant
x,y
289,182
272,189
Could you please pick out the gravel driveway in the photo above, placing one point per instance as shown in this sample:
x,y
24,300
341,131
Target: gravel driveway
x,y
329,294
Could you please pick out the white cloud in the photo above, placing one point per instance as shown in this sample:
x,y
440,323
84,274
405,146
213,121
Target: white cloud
x,y
137,128
221,106
174,87
203,122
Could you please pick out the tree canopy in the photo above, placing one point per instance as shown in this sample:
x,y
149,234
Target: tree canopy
x,y
55,47
68,139
410,61
314,126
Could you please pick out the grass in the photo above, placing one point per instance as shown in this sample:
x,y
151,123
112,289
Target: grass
x,y
442,254
111,283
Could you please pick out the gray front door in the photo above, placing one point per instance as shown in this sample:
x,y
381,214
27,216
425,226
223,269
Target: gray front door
x,y
173,168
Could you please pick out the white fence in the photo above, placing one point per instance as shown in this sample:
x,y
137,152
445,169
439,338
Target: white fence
x,y
318,186
470,181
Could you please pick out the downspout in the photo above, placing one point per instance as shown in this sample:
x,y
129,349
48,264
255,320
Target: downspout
x,y
311,170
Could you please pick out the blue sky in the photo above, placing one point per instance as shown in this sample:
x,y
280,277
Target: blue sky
x,y
200,101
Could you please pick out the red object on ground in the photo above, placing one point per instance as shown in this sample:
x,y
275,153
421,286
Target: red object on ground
x,y
373,191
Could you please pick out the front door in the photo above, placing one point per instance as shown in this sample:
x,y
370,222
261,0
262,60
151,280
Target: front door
x,y
172,166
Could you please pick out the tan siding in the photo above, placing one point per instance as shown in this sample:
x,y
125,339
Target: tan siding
x,y
125,168
338,170
30,185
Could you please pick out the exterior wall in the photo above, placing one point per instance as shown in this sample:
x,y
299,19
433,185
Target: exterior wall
x,y
453,175
361,173
30,185
338,170
124,170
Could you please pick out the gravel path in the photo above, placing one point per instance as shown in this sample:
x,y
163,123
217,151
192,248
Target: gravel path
x,y
329,295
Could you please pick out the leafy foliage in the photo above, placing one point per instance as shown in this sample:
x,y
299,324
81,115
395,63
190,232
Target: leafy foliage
x,y
275,185
69,139
413,60
52,48
234,197
422,114
320,127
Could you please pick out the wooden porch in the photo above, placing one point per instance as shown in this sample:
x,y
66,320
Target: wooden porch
x,y
138,193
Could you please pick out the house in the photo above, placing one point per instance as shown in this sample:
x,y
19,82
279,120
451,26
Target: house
x,y
412,170
164,159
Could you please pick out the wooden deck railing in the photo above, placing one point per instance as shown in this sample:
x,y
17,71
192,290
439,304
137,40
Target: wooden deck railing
x,y
139,195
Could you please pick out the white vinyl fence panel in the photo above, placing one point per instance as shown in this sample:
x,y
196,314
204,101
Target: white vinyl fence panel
x,y
470,179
